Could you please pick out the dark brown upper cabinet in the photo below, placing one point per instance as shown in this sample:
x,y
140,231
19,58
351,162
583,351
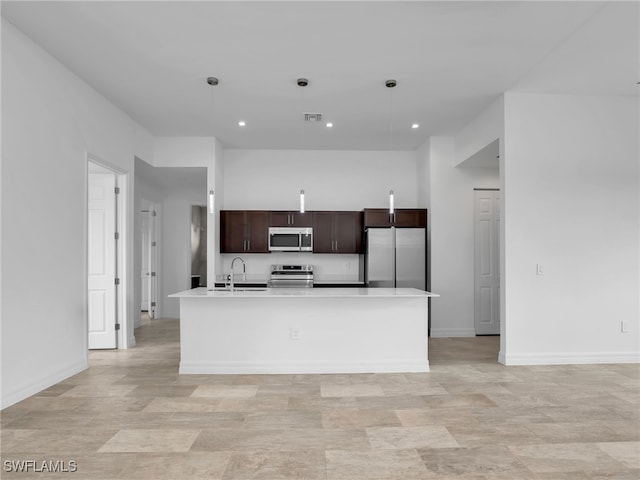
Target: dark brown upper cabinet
x,y
290,219
244,231
337,232
402,217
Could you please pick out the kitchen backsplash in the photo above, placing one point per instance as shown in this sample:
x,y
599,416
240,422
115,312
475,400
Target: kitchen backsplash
x,y
327,267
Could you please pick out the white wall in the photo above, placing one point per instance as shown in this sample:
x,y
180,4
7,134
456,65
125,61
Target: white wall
x,y
332,180
48,127
451,213
481,131
572,204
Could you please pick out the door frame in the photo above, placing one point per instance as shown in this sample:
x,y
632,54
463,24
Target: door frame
x,y
498,259
122,260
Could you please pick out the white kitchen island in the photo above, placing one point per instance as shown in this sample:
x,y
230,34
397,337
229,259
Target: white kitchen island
x,y
306,330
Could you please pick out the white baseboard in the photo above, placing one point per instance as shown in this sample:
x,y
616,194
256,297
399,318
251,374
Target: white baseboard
x,y
296,368
25,391
568,358
452,332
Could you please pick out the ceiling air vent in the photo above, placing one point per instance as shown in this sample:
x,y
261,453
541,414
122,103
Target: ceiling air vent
x,y
312,117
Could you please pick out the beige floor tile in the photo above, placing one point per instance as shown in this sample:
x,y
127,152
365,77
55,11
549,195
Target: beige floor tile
x,y
175,466
360,419
627,453
243,440
395,389
67,441
47,404
374,465
225,391
490,461
481,434
307,465
450,401
82,466
284,419
151,440
205,420
191,404
631,474
44,420
162,390
319,404
415,417
586,432
391,402
303,389
255,404
400,438
568,457
98,390
101,405
88,378
352,390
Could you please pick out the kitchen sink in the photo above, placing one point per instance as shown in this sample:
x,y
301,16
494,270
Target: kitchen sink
x,y
240,289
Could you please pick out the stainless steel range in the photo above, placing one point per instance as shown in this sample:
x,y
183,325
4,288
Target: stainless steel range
x,y
300,276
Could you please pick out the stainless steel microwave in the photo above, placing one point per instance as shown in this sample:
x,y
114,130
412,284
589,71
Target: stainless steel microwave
x,y
290,239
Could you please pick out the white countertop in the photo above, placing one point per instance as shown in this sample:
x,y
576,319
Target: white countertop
x,y
303,292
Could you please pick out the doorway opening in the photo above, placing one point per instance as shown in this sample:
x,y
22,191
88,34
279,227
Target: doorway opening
x,y
198,246
149,257
106,314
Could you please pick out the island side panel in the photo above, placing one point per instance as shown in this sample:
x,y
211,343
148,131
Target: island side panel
x,y
303,335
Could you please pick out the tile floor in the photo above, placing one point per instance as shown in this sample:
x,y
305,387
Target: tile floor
x,y
131,416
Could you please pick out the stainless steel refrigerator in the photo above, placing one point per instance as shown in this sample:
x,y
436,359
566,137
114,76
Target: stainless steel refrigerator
x,y
396,258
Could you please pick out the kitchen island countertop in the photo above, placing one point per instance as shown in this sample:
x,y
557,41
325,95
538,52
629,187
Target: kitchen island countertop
x,y
248,292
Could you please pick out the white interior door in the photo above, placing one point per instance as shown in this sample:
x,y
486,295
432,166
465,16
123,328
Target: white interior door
x,y
153,262
145,273
102,260
487,262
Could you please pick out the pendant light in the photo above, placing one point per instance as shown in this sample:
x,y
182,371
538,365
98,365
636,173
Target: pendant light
x,y
213,81
390,84
302,82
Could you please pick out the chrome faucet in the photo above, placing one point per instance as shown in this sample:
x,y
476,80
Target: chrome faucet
x,y
232,274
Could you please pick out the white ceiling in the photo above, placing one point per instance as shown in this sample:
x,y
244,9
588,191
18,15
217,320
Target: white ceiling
x,y
451,59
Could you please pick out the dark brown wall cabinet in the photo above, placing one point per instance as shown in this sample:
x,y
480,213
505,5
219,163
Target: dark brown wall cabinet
x,y
402,218
244,231
337,232
290,219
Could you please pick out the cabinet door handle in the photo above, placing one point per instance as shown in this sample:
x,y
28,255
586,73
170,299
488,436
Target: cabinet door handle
x,y
248,244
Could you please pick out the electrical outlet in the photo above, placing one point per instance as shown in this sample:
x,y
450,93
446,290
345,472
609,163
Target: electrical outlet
x,y
347,265
539,269
624,327
294,334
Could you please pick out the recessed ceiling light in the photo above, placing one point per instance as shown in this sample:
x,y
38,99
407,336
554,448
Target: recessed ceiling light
x,y
415,125
329,124
241,123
